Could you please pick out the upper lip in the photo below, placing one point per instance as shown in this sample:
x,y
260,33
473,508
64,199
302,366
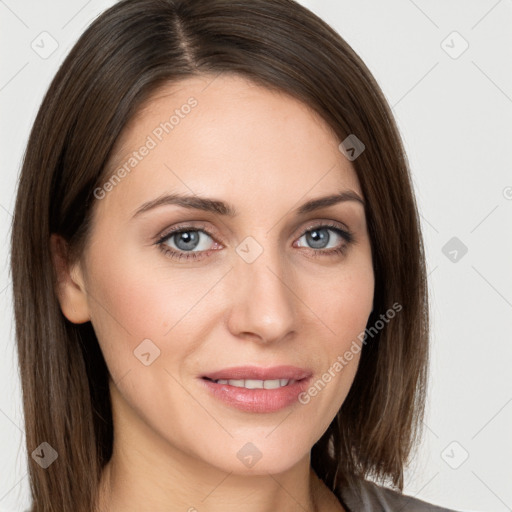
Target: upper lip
x,y
260,373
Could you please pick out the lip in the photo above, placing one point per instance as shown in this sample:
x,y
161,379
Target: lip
x,y
258,400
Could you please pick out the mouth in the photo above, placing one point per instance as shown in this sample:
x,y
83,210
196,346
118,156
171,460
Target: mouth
x,y
256,389
254,383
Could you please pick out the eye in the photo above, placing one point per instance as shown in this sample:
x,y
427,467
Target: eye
x,y
187,242
327,239
319,238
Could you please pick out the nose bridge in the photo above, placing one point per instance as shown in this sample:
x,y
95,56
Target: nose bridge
x,y
263,303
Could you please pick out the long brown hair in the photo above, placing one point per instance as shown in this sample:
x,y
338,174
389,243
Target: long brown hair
x,y
128,52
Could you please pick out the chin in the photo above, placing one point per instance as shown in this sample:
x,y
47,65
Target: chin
x,y
257,457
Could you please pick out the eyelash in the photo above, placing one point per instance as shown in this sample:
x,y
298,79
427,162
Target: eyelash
x,y
189,255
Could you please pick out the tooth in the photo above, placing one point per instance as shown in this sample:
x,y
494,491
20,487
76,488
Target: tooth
x,y
257,384
272,384
253,384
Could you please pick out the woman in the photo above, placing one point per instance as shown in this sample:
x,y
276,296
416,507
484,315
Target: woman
x,y
218,272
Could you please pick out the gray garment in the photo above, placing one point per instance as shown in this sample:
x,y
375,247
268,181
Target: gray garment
x,y
369,497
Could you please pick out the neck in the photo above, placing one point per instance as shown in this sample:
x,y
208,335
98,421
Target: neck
x,y
130,483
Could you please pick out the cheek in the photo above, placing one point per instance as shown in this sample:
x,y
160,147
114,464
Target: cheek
x,y
132,299
341,306
343,303
139,298
130,287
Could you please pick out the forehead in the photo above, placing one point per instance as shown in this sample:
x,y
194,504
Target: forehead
x,y
226,137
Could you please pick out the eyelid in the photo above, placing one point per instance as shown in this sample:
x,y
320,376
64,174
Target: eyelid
x,y
187,226
325,223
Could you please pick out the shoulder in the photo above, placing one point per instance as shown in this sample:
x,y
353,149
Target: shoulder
x,y
370,497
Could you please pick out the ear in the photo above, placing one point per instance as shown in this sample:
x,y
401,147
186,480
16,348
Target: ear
x,y
70,283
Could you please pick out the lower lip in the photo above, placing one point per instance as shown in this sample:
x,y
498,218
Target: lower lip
x,y
257,400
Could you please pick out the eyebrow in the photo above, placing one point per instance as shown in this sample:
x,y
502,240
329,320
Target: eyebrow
x,y
222,208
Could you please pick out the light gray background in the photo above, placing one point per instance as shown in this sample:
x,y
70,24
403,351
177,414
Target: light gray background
x,y
455,117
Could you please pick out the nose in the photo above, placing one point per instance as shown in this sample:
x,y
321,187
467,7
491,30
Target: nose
x,y
263,301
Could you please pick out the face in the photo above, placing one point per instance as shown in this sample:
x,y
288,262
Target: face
x,y
181,294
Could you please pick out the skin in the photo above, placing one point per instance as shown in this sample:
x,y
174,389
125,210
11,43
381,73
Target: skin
x,y
265,153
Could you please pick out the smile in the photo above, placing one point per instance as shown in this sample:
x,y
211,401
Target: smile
x,y
256,384
256,389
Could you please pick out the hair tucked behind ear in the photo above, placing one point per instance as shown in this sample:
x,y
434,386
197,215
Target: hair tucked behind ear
x,y
123,57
